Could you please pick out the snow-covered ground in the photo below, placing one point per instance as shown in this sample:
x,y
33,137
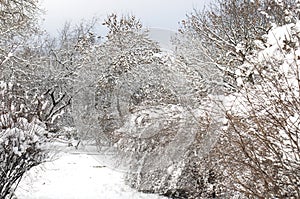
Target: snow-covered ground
x,y
76,175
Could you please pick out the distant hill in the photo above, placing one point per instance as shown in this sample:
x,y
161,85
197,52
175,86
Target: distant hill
x,y
163,37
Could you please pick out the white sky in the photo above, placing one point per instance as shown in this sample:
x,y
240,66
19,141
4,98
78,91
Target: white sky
x,y
153,13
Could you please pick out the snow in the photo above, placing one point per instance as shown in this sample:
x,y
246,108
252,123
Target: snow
x,y
76,175
276,40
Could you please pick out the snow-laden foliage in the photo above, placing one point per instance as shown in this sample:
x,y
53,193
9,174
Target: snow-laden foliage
x,y
169,142
255,46
261,142
18,22
193,56
21,148
22,136
227,32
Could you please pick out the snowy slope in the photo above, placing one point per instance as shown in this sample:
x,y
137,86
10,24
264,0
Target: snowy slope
x,y
76,175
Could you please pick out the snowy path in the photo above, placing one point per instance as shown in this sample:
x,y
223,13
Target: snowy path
x,y
76,176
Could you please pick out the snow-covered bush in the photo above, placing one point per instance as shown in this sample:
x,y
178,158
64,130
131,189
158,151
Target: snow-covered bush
x,y
171,144
26,121
255,45
22,146
22,136
259,149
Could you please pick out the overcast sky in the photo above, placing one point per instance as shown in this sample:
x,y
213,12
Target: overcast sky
x,y
153,13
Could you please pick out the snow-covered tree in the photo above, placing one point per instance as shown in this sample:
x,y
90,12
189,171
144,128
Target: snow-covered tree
x,y
29,103
228,32
126,47
18,22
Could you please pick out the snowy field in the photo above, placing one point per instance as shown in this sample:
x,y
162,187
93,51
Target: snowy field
x,y
76,175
